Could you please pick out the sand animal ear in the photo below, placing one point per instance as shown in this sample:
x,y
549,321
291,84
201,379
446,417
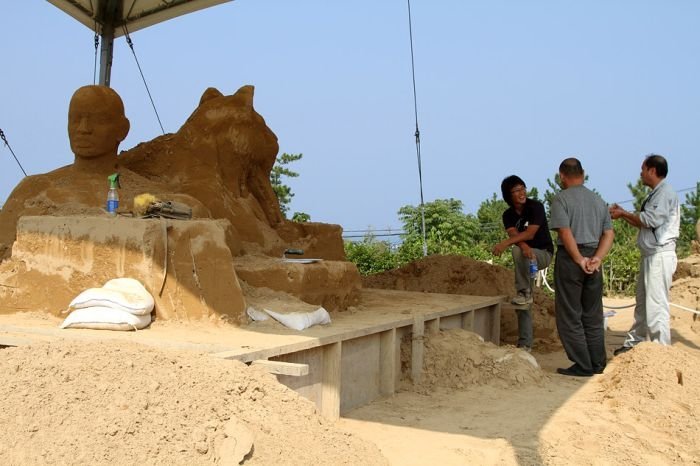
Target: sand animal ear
x,y
210,93
245,95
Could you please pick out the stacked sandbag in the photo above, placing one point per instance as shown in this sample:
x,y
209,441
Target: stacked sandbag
x,y
121,304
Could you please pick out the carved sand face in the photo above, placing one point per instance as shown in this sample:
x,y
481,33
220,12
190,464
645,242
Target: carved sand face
x,y
96,122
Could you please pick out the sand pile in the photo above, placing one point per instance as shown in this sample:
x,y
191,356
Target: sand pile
x,y
118,403
657,388
458,358
685,290
455,274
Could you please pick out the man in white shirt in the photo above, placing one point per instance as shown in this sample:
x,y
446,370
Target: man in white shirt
x,y
659,225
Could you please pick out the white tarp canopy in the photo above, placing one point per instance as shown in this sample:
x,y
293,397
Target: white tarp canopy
x,y
109,18
134,14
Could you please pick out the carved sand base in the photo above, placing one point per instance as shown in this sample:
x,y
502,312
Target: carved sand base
x,y
335,285
55,258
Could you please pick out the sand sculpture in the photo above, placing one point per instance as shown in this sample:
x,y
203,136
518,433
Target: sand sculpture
x,y
219,164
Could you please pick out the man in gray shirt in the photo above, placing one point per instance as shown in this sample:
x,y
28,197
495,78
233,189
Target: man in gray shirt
x,y
659,226
585,236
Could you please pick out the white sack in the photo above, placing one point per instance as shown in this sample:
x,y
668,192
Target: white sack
x,y
105,318
125,294
301,320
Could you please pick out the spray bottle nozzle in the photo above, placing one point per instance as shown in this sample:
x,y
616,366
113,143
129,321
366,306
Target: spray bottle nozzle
x,y
114,180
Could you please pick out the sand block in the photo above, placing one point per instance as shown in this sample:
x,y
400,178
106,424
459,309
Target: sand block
x,y
55,258
335,285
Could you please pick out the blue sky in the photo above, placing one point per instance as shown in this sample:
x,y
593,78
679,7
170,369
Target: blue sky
x,y
504,87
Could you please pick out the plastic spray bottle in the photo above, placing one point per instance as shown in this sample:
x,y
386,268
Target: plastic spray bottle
x,y
113,194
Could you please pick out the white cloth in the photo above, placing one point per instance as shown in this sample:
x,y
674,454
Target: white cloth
x,y
652,314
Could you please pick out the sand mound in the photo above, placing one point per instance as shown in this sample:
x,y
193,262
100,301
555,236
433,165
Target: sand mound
x,y
457,359
659,386
455,274
120,403
685,290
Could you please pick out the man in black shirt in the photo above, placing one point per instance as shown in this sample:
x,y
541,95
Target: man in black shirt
x,y
525,222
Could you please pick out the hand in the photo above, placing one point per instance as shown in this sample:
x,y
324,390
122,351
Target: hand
x,y
616,211
499,248
594,264
527,251
583,263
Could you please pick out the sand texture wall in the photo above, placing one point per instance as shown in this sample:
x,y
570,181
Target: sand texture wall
x,y
55,258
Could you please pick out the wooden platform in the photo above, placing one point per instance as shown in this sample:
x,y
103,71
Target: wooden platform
x,y
351,362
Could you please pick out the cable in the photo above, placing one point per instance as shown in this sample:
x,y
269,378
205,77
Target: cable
x,y
417,133
4,139
131,46
97,46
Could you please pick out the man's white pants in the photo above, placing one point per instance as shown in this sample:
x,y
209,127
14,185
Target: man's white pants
x,y
652,315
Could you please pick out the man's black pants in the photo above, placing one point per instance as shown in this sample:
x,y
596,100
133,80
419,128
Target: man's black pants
x,y
579,311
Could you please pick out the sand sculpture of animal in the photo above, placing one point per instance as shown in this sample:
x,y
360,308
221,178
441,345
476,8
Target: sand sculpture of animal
x,y
223,155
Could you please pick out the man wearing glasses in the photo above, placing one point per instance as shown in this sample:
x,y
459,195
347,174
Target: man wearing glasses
x,y
525,222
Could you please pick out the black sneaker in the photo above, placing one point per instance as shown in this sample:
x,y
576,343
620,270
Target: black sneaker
x,y
622,349
574,371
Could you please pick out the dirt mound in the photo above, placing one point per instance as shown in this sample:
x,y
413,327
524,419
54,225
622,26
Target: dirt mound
x,y
121,403
659,386
457,359
455,274
685,290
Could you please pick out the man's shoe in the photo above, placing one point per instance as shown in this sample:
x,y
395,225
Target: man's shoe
x,y
598,369
574,371
525,348
522,300
622,349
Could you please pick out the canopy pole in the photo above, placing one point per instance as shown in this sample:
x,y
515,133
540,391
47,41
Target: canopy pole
x,y
109,14
106,54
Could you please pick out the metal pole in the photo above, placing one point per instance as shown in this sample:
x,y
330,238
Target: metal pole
x,y
106,54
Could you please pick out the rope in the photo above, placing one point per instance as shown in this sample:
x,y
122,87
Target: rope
x,y
143,78
94,66
670,304
417,133
4,139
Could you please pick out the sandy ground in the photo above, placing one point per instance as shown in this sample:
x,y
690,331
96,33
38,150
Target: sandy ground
x,y
637,412
89,401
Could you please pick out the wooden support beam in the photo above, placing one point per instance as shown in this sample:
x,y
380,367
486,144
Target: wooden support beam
x,y
468,320
417,348
330,381
496,324
282,368
432,326
387,362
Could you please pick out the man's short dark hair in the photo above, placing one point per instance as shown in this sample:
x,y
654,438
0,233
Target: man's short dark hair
x,y
507,186
657,162
571,167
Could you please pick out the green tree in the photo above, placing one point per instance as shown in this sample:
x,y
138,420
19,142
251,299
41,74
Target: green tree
x,y
640,192
448,230
282,191
370,255
690,212
301,217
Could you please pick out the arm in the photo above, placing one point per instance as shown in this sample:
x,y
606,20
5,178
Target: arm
x,y
515,237
569,242
604,245
618,212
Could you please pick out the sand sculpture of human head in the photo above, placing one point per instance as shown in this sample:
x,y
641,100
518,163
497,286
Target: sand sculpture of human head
x,y
96,126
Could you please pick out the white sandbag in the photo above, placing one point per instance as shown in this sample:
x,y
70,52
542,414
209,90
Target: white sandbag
x,y
257,315
126,294
105,318
301,320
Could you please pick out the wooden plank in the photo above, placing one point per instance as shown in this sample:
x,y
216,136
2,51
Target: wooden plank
x,y
468,320
417,348
387,362
330,389
432,326
496,324
282,368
